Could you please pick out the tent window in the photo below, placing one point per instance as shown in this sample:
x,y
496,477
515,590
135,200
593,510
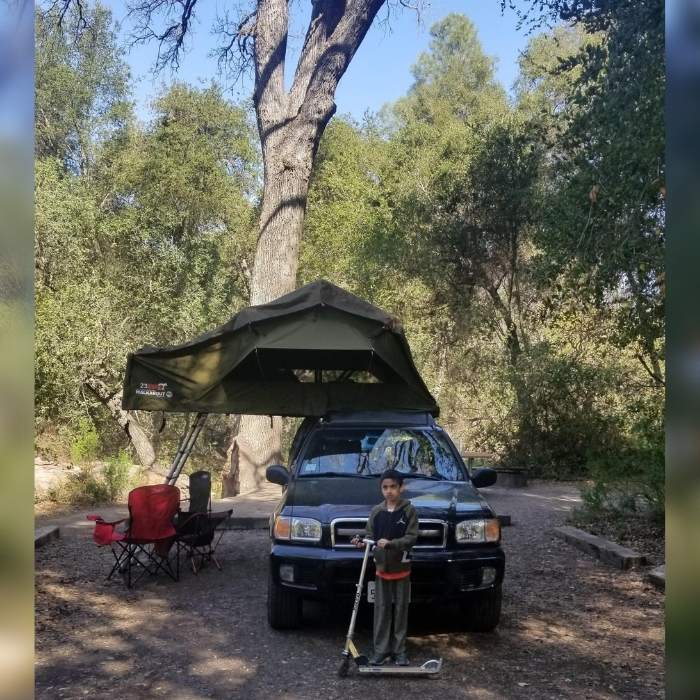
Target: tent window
x,y
329,376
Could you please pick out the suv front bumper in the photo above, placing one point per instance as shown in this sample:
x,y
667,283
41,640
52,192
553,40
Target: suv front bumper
x,y
327,574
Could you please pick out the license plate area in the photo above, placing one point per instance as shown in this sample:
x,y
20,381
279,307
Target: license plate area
x,y
372,590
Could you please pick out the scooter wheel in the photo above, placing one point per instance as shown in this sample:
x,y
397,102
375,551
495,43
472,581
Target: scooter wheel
x,y
343,668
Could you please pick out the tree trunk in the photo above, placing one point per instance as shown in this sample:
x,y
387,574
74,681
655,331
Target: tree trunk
x,y
281,222
290,124
230,484
259,445
136,434
513,349
259,439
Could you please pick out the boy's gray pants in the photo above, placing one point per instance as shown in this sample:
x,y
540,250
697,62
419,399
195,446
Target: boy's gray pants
x,y
390,595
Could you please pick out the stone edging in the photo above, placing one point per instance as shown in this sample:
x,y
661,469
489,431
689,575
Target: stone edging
x,y
42,535
261,522
657,576
611,553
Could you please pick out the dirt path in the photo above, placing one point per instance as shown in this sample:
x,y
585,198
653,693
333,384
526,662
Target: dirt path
x,y
571,627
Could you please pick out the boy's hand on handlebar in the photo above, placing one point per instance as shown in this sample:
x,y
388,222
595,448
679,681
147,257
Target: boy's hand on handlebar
x,y
357,541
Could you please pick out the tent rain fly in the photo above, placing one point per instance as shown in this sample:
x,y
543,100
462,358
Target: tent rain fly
x,y
316,350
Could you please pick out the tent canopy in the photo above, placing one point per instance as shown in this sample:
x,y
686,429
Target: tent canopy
x,y
315,350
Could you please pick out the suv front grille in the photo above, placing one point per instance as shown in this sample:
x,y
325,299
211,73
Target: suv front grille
x,y
432,534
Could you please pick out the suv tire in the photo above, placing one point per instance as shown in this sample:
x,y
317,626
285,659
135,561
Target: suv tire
x,y
483,612
283,607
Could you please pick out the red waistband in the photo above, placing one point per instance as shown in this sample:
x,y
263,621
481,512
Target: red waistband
x,y
393,577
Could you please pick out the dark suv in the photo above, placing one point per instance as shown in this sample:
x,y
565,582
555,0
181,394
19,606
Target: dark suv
x,y
329,490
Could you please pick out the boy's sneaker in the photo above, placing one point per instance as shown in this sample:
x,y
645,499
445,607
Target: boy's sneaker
x,y
378,659
402,660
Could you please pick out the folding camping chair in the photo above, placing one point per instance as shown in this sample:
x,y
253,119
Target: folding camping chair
x,y
149,535
200,492
197,528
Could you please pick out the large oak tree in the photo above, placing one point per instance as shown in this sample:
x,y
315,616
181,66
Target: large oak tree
x,y
290,123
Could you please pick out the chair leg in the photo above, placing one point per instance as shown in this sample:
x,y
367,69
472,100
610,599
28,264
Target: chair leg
x,y
212,549
118,561
129,565
180,547
124,562
150,563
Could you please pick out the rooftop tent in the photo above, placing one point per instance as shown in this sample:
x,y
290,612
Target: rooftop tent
x,y
315,350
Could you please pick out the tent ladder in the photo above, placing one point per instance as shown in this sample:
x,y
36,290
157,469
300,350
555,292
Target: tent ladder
x,y
185,449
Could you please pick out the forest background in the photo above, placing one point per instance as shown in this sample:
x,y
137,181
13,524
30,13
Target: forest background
x,y
519,237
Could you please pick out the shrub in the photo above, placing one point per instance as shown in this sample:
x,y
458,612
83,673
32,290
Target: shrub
x,y
116,475
558,414
90,485
594,496
632,477
85,443
84,487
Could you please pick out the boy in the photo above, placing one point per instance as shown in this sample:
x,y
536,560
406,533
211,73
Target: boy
x,y
393,525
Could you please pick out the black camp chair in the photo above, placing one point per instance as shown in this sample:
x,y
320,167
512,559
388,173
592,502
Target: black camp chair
x,y
200,492
197,527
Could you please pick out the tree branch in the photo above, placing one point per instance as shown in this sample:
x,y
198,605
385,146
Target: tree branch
x,y
135,432
324,19
237,54
60,8
112,400
655,374
171,38
335,32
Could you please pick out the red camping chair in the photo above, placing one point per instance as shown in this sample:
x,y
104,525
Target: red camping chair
x,y
149,536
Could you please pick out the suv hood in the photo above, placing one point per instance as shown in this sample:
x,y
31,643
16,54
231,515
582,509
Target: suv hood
x,y
346,497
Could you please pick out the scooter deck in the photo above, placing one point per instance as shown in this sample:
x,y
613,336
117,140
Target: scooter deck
x,y
429,668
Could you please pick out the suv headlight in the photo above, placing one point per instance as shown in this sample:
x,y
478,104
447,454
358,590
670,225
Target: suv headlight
x,y
299,529
472,531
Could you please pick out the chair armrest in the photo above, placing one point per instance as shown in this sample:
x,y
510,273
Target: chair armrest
x,y
105,533
182,522
102,521
220,516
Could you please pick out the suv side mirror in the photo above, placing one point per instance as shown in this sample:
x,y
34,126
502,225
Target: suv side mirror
x,y
277,474
484,477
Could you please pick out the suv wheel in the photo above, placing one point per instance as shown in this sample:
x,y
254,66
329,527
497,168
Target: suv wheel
x,y
483,611
283,606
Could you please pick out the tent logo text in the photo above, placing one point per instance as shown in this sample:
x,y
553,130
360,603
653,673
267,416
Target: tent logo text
x,y
159,390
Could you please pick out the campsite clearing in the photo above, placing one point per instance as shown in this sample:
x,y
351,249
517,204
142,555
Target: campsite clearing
x,y
572,627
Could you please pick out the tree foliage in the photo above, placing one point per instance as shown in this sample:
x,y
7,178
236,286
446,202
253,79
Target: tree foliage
x,y
518,237
450,201
605,217
140,248
81,84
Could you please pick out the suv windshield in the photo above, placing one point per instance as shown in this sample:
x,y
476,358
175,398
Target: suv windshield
x,y
368,452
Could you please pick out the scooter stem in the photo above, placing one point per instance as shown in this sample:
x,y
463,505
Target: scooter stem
x,y
358,593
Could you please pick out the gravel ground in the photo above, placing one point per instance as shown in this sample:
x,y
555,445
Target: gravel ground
x,y
571,627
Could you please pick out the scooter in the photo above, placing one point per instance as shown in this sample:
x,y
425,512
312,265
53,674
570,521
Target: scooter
x,y
429,668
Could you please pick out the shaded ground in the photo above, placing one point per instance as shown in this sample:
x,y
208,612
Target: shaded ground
x,y
571,627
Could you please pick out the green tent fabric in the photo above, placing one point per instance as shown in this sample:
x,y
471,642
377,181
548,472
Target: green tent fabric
x,y
268,360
